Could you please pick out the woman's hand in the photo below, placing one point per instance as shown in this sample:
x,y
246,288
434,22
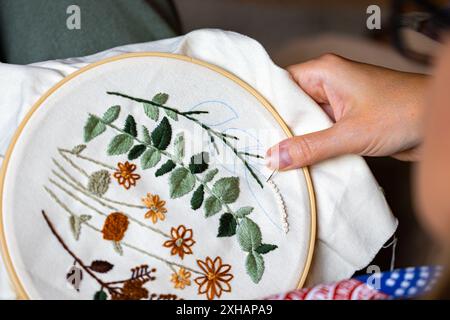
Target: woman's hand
x,y
377,112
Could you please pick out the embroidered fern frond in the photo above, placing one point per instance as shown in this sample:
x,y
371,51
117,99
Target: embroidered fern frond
x,y
142,273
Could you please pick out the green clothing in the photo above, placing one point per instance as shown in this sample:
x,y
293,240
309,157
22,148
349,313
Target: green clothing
x,y
36,30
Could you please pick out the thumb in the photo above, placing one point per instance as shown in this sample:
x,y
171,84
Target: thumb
x,y
302,151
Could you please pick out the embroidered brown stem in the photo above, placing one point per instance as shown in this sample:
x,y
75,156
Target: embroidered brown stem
x,y
70,194
170,264
222,136
103,284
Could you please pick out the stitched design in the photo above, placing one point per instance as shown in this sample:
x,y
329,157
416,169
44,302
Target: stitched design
x,y
125,176
181,279
184,177
281,205
114,229
115,226
155,206
190,115
181,242
215,279
130,288
99,182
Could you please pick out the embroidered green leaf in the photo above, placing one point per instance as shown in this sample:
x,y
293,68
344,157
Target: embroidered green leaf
x,y
150,159
120,144
93,128
255,266
162,134
227,226
181,182
210,175
227,189
160,98
111,114
78,149
265,248
179,146
98,183
212,206
199,162
75,226
197,198
151,111
146,135
118,247
248,235
130,126
136,151
171,114
165,168
101,266
244,211
100,295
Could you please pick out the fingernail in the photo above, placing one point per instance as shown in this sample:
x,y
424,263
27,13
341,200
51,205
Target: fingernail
x,y
278,157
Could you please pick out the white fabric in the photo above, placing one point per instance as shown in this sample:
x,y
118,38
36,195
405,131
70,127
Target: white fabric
x,y
6,291
354,220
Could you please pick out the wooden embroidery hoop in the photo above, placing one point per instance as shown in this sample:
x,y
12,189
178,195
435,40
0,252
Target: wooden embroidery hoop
x,y
18,286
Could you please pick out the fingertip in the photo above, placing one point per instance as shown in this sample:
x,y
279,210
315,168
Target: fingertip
x,y
268,158
278,156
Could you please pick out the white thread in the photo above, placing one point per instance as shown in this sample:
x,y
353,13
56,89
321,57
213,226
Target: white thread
x,y
281,205
393,243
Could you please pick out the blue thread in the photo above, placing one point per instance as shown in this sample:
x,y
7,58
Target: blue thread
x,y
233,111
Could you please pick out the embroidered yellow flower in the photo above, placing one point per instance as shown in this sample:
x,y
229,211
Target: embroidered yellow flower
x,y
115,226
181,279
181,242
156,206
216,278
125,176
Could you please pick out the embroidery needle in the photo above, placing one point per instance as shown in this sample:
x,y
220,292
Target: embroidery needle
x,y
271,175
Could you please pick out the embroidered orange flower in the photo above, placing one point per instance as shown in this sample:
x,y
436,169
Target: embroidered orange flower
x,y
181,242
216,278
181,279
115,226
125,176
156,206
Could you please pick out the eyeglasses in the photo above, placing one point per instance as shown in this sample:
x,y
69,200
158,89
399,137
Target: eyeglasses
x,y
430,18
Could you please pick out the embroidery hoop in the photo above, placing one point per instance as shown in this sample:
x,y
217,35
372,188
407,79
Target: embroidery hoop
x,y
18,286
